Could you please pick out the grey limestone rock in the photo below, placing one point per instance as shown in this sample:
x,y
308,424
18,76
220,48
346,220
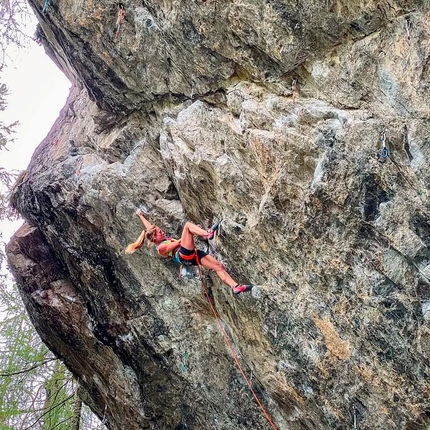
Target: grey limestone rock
x,y
190,114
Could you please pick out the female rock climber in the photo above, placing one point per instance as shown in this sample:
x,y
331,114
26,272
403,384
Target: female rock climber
x,y
183,251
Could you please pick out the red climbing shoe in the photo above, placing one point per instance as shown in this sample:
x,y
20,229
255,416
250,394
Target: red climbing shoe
x,y
212,231
242,288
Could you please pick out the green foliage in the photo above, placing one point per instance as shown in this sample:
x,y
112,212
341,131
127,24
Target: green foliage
x,y
6,211
13,17
6,131
57,394
35,387
13,14
36,390
6,178
22,361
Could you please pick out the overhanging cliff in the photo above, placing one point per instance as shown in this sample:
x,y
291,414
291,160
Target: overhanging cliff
x,y
189,114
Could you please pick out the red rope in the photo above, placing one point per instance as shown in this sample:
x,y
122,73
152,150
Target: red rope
x,y
230,347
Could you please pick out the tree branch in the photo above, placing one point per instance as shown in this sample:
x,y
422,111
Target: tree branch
x,y
49,410
20,372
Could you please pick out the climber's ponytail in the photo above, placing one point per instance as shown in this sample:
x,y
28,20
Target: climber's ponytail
x,y
140,240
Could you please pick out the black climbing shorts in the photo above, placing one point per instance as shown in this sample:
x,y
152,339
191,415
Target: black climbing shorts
x,y
193,261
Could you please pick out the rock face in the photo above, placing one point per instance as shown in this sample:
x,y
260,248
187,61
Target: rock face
x,y
189,114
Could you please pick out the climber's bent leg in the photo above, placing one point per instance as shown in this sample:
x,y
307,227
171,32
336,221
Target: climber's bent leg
x,y
187,239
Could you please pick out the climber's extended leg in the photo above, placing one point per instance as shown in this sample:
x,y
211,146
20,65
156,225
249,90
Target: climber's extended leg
x,y
212,263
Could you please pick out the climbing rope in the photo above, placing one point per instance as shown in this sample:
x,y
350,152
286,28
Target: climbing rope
x,y
230,347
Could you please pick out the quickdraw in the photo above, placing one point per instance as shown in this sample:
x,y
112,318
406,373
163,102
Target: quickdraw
x,y
45,6
383,153
408,26
294,89
121,14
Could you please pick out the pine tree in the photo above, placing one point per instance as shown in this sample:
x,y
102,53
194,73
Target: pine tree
x,y
13,13
36,390
6,131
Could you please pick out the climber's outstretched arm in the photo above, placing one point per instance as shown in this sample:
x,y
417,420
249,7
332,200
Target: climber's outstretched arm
x,y
165,248
145,222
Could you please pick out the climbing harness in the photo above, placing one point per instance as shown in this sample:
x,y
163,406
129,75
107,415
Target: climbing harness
x,y
121,14
45,6
186,271
229,345
383,153
189,258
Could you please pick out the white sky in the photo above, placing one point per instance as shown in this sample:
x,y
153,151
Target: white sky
x,y
37,92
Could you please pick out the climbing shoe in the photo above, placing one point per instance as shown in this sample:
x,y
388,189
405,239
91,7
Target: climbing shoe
x,y
242,288
212,231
